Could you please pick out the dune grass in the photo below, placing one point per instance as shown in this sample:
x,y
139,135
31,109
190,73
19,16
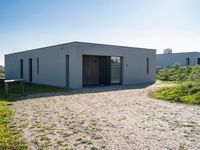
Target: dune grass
x,y
10,138
188,92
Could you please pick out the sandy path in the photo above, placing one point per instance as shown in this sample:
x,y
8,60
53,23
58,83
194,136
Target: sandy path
x,y
116,119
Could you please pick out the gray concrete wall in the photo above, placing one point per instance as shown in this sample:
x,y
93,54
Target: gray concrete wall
x,y
52,63
167,60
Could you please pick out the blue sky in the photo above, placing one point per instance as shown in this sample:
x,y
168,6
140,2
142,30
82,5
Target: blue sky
x,y
159,24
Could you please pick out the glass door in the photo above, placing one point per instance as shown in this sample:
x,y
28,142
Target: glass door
x,y
116,70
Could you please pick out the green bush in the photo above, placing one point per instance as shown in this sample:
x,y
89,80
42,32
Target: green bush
x,y
195,74
2,72
185,93
179,74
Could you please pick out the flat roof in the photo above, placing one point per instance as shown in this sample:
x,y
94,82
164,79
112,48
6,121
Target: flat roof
x,y
80,43
178,53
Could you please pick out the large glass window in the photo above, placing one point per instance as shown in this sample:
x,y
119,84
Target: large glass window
x,y
116,70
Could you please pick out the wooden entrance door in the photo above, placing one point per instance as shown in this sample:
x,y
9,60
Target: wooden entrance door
x,y
90,70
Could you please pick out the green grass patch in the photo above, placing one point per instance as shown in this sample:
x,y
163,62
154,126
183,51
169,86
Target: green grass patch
x,y
9,138
184,93
14,89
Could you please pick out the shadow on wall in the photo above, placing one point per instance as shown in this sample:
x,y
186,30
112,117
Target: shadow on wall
x,y
86,90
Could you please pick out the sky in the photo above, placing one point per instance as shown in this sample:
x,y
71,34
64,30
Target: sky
x,y
158,24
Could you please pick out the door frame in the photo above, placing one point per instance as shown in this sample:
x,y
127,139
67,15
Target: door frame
x,y
109,69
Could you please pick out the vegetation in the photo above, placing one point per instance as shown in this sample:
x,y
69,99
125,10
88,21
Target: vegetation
x,y
187,89
2,72
183,92
10,138
179,74
15,90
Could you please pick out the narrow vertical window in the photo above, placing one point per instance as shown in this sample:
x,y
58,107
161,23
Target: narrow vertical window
x,y
21,69
38,69
30,70
198,61
147,65
187,61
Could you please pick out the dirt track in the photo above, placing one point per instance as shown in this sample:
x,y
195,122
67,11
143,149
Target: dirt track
x,y
107,118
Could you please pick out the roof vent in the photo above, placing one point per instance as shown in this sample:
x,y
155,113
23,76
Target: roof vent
x,y
167,51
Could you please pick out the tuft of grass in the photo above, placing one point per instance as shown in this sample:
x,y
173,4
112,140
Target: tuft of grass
x,y
9,139
14,89
188,92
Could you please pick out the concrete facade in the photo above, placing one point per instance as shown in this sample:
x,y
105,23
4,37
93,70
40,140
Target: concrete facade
x,y
52,63
172,59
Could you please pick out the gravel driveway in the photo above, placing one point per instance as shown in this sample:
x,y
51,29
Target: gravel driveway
x,y
116,118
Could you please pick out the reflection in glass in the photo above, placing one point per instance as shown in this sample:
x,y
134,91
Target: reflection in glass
x,y
116,70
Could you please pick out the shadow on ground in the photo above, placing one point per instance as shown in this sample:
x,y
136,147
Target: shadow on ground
x,y
91,89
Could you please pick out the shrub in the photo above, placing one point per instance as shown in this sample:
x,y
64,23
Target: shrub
x,y
179,74
2,72
195,74
185,93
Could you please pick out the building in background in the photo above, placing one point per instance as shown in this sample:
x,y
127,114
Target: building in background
x,y
169,59
78,64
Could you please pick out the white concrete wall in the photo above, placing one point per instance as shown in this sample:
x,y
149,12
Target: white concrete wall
x,y
52,63
134,61
167,60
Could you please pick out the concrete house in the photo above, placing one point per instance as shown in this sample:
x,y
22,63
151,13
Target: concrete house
x,y
183,59
79,64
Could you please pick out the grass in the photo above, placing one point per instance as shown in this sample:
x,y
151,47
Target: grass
x,y
14,89
9,138
188,92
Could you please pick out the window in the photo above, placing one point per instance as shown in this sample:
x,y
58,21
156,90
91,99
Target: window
x,y
187,61
30,70
116,70
198,61
147,62
21,69
38,69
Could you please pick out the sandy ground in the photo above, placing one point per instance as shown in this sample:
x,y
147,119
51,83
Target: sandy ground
x,y
115,118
